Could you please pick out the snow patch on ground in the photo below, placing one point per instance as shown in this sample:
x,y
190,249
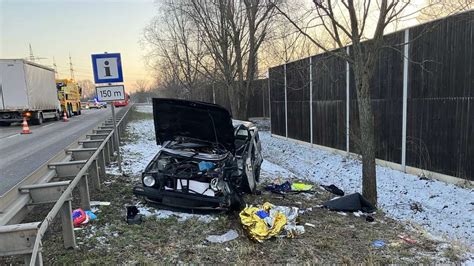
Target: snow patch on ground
x,y
271,171
141,146
164,214
446,210
113,169
138,150
148,109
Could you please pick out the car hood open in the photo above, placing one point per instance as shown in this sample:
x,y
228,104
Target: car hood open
x,y
198,120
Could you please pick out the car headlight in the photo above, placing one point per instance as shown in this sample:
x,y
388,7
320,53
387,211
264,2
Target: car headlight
x,y
149,181
162,163
214,184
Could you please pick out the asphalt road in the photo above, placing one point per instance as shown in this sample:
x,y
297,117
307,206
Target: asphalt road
x,y
21,155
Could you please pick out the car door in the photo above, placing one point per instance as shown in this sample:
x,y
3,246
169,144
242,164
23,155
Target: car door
x,y
249,162
257,157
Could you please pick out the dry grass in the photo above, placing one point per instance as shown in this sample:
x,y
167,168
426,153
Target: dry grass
x,y
335,239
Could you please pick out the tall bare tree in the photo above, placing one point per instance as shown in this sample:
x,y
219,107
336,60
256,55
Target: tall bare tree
x,y
259,14
142,91
353,22
441,8
217,41
213,22
175,46
285,44
141,85
88,88
233,33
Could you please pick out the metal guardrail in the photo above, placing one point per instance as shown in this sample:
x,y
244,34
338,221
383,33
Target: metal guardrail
x,y
85,163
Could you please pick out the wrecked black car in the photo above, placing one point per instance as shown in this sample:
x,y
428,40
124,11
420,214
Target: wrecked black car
x,y
207,161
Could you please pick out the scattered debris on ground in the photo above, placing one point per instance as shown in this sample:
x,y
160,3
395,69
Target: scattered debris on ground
x,y
266,221
228,236
176,237
444,210
82,218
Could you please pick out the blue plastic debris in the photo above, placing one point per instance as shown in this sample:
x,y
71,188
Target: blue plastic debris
x,y
378,243
262,214
91,215
203,166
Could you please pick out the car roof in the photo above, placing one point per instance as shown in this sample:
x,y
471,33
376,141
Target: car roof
x,y
247,124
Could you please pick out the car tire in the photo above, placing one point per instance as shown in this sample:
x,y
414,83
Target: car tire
x,y
257,174
237,203
246,186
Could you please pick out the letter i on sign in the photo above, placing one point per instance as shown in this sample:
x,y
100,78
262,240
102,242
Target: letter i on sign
x,y
107,69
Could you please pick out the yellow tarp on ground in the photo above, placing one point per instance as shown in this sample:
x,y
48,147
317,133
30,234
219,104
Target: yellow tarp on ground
x,y
257,227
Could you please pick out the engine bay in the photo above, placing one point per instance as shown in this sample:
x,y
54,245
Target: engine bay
x,y
191,168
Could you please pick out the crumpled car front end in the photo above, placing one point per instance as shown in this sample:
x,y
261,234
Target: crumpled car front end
x,y
197,166
197,178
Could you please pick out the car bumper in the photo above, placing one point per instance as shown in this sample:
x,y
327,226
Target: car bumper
x,y
182,200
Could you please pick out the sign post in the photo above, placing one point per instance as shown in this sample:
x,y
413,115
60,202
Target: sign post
x,y
116,137
108,69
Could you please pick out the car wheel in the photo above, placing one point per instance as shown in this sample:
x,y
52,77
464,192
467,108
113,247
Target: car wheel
x,y
257,174
237,203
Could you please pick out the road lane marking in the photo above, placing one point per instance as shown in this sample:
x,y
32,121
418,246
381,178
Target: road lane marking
x,y
47,125
14,135
11,136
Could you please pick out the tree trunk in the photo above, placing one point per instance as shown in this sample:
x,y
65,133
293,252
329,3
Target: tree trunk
x,y
234,100
367,137
238,85
232,96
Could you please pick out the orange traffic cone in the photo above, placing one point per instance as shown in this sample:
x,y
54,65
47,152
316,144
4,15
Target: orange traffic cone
x,y
65,117
26,129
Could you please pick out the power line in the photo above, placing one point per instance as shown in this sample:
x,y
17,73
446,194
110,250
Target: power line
x,y
70,66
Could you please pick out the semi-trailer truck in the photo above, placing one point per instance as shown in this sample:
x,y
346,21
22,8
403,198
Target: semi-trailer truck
x,y
27,90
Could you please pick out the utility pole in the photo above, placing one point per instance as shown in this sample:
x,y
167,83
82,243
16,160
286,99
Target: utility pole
x,y
55,68
32,57
70,66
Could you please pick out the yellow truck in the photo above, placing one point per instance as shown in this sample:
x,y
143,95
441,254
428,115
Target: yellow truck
x,y
69,95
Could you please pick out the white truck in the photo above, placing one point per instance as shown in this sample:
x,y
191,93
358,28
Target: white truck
x,y
27,90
